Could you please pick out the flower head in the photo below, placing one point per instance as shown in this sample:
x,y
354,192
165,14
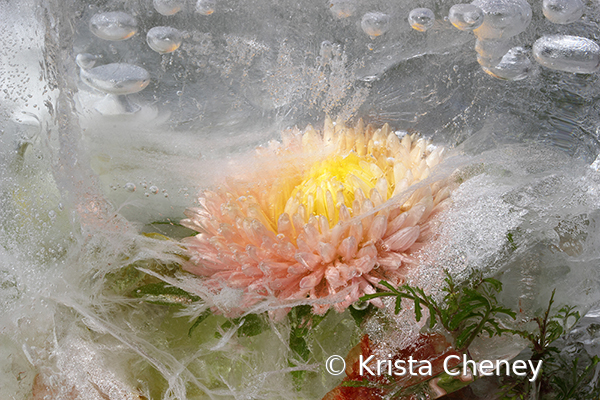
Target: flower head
x,y
329,216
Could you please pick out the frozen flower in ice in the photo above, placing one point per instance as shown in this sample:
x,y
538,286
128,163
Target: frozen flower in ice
x,y
326,218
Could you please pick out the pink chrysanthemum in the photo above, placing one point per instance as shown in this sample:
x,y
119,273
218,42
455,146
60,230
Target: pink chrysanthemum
x,y
334,216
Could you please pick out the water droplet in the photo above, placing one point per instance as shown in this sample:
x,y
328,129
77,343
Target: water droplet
x,y
567,53
465,17
130,187
514,66
375,23
490,52
153,189
52,214
166,194
147,194
60,207
168,7
563,11
206,7
115,25
502,18
164,39
342,8
85,60
116,78
421,19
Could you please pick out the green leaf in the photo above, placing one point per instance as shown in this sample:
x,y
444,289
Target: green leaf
x,y
164,294
398,307
418,311
360,315
253,325
198,321
299,346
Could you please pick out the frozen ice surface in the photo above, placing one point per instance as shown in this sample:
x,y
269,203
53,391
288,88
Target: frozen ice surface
x,y
164,39
465,17
563,11
116,25
567,53
116,78
421,19
206,7
502,18
375,23
168,7
78,187
514,65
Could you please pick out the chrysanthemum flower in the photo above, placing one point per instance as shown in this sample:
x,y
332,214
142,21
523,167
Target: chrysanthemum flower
x,y
329,216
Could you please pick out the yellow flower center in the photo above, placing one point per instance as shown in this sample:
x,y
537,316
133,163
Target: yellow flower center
x,y
334,182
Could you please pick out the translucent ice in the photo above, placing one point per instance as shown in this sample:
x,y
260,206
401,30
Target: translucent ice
x,y
206,7
375,23
563,11
465,17
342,8
421,19
490,52
567,53
168,7
85,60
114,25
514,66
117,78
164,39
502,18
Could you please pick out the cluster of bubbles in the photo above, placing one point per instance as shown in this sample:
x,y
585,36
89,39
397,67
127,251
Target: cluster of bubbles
x,y
494,23
153,189
120,79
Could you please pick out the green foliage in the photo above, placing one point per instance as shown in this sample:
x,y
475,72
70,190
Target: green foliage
x,y
565,374
550,328
359,315
302,320
164,294
253,324
198,321
467,311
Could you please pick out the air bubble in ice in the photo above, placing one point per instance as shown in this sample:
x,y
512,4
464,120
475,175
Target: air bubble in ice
x,y
375,23
342,8
563,11
502,18
168,7
117,80
514,66
130,187
465,17
567,53
206,7
164,39
114,26
153,189
490,52
85,60
421,19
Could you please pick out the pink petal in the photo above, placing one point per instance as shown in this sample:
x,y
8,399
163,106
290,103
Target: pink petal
x,y
377,228
312,280
402,239
348,248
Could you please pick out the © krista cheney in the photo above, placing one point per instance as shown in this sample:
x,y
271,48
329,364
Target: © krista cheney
x,y
413,367
323,216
